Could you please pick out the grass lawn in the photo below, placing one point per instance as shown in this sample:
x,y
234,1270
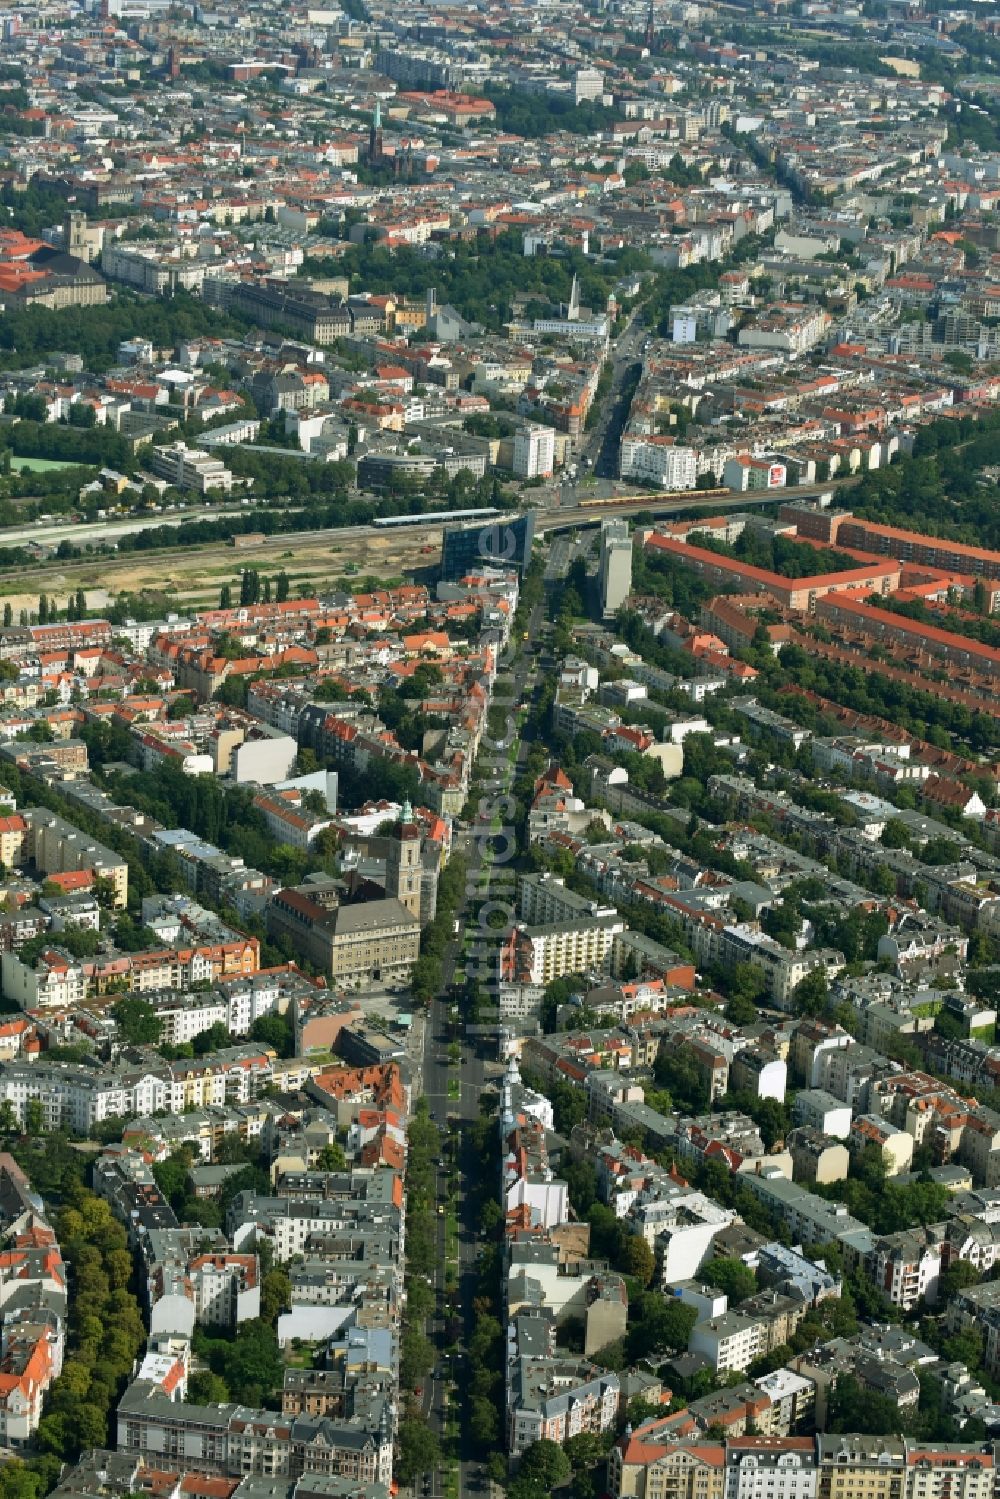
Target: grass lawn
x,y
42,465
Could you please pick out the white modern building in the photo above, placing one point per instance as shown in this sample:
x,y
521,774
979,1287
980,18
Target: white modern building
x,y
191,468
615,568
534,451
658,459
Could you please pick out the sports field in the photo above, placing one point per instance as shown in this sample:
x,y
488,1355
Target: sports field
x,y
41,465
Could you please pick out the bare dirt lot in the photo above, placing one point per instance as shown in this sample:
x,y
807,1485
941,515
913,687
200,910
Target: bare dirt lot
x,y
194,577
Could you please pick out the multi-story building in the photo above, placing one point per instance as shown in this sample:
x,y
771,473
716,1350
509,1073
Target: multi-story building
x,y
906,1266
57,847
771,1468
539,954
861,1467
652,1463
235,1440
794,593
225,1287
980,1146
505,542
729,1342
953,557
534,451
366,942
311,315
544,898
190,468
33,1306
557,1398
657,1461
652,459
950,1471
615,565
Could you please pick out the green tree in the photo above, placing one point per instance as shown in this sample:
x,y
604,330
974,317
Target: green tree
x,y
251,1365
206,1388
275,1031
637,1259
812,995
34,1117
213,1038
416,1358
484,1423
171,1174
658,1323
740,1010
853,1408
331,1158
275,1295
419,1450
731,1276
544,1463
138,1023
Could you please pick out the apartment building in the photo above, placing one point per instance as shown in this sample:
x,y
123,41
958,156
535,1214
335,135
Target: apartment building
x,y
290,1224
861,1467
652,1463
558,1398
539,954
744,473
55,981
312,315
655,459
534,451
799,593
783,970
951,1472
225,1288
811,1219
659,1460
909,546
57,847
679,1224
235,1440
880,625
544,899
75,1097
730,1342
789,327
33,1307
771,1468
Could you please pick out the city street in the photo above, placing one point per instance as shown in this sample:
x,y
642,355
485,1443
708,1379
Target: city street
x,y
471,1074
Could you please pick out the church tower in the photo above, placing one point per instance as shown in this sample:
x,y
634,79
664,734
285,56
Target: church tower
x,y
375,137
403,863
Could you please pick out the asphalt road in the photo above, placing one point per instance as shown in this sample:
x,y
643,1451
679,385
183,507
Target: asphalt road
x,y
471,1073
600,444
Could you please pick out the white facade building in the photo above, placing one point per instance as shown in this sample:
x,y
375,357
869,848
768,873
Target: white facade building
x,y
658,460
534,451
